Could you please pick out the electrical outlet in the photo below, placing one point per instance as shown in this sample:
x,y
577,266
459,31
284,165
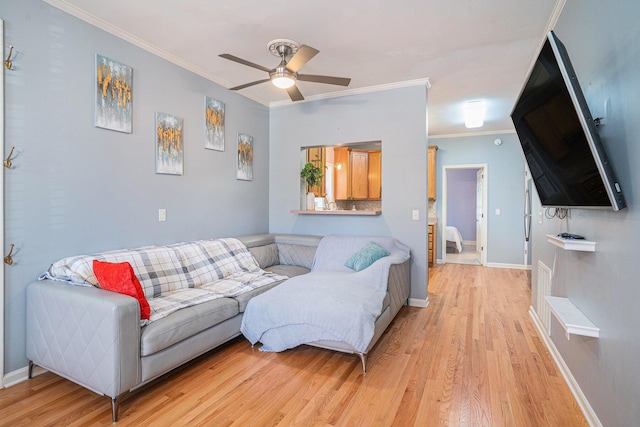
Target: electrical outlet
x,y
162,215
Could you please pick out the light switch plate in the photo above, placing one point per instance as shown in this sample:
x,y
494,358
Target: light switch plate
x,y
162,215
415,215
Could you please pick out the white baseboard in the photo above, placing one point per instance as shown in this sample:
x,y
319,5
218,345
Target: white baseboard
x,y
20,375
587,410
415,302
505,265
498,265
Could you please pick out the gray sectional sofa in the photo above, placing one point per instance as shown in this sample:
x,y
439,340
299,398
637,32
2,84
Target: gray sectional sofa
x,y
94,337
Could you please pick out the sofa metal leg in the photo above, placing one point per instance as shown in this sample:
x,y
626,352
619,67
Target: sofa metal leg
x,y
363,359
31,365
115,406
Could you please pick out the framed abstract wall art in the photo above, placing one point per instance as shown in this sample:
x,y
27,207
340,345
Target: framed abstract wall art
x,y
113,95
169,144
213,124
245,157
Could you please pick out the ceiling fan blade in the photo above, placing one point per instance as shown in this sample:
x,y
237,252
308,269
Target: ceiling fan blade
x,y
302,56
340,81
244,62
294,93
249,84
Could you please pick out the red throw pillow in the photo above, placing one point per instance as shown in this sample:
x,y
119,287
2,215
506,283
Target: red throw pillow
x,y
119,277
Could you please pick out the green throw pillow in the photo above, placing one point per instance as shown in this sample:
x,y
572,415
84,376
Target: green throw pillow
x,y
366,256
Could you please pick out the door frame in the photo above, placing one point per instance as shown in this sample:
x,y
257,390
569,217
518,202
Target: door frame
x,y
528,200
2,209
443,237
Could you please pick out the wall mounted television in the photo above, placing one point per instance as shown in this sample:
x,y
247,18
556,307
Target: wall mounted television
x,y
559,137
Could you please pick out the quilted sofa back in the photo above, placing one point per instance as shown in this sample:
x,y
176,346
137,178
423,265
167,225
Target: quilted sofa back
x,y
283,249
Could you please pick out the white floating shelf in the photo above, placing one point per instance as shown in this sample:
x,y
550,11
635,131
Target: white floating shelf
x,y
572,244
571,319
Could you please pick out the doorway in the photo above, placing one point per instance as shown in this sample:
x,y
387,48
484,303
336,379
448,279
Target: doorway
x,y
464,212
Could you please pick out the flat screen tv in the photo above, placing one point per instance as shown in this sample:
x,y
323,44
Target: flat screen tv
x,y
559,137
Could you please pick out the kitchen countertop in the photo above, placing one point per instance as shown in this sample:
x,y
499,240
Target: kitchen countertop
x,y
337,212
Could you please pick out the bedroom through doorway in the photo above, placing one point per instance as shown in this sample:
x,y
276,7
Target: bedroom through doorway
x,y
464,229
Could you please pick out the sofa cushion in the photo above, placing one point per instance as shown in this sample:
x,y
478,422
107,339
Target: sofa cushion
x,y
288,270
243,299
119,277
291,254
184,323
266,255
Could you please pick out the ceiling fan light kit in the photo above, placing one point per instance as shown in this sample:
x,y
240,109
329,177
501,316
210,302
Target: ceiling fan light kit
x,y
292,57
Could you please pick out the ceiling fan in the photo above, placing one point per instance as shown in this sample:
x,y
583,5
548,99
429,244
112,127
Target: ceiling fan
x,y
292,57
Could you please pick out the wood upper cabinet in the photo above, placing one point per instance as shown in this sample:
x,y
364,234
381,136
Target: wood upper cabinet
x,y
313,154
357,174
431,166
375,174
342,173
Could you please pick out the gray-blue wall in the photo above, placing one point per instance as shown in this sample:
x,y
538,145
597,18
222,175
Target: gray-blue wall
x,y
398,118
602,41
505,167
78,189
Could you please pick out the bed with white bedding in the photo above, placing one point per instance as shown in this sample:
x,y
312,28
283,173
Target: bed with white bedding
x,y
454,238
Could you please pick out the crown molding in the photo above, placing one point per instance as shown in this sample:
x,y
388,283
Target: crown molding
x,y
357,91
480,133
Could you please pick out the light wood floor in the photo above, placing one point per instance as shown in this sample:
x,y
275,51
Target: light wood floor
x,y
472,358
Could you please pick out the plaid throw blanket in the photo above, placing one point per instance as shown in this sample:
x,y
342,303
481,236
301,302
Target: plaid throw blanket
x,y
175,276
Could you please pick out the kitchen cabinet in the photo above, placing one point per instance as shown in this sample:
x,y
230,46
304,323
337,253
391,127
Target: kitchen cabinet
x,y
357,174
431,174
342,173
316,155
375,174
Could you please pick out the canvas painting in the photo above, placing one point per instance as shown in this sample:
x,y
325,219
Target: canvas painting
x,y
113,95
169,144
213,124
245,157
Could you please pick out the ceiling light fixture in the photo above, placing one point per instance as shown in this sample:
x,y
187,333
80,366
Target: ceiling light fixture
x,y
283,78
474,112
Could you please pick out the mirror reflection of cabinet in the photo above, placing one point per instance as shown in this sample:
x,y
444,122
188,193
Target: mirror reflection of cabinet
x,y
357,174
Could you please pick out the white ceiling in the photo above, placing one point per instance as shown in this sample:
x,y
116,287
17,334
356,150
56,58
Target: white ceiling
x,y
467,49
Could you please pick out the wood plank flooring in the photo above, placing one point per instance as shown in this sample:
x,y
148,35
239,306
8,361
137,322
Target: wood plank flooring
x,y
472,358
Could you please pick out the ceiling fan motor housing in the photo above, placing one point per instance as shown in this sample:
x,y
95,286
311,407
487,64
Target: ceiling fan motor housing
x,y
283,47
